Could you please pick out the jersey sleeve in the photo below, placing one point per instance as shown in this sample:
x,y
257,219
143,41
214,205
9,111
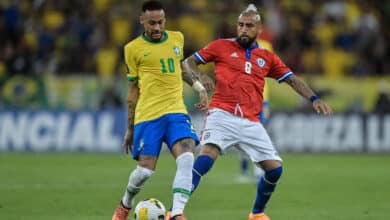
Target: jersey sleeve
x,y
208,53
131,64
279,70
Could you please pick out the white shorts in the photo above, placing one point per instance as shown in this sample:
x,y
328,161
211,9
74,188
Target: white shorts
x,y
227,130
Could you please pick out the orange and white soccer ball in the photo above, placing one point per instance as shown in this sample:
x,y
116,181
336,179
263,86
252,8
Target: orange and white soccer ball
x,y
150,209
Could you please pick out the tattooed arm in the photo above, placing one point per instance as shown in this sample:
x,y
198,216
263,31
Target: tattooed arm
x,y
132,99
191,75
189,78
304,90
300,87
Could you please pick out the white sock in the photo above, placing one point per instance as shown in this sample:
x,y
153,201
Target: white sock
x,y
137,181
182,183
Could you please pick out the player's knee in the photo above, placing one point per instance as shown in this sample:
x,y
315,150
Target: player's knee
x,y
274,175
210,150
187,144
147,162
269,164
182,146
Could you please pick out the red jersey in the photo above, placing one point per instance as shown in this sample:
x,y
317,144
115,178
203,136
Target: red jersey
x,y
240,75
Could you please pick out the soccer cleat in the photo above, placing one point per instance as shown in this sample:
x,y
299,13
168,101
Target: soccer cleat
x,y
178,217
121,212
258,216
168,215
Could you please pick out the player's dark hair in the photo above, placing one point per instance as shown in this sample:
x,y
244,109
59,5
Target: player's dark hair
x,y
151,6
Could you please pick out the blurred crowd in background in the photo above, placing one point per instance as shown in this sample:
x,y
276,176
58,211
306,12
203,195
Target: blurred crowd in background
x,y
318,37
331,38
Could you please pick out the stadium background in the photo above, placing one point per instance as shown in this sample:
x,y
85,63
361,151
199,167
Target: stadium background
x,y
63,88
61,67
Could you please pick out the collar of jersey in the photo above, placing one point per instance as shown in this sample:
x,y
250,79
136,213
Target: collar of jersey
x,y
249,50
165,37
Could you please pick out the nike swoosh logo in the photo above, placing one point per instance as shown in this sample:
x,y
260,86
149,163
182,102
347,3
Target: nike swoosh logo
x,y
146,54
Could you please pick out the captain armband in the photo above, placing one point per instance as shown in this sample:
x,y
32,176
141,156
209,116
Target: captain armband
x,y
198,86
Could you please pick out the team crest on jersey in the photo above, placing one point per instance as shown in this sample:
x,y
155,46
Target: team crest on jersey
x,y
177,50
260,62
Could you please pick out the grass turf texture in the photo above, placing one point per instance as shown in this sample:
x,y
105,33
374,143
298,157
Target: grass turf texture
x,y
89,186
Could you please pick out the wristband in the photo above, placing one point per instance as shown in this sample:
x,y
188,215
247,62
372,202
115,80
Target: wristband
x,y
313,98
198,86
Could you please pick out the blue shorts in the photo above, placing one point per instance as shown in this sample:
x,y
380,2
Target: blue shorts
x,y
149,135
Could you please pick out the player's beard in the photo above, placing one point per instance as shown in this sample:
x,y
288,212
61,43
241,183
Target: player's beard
x,y
246,41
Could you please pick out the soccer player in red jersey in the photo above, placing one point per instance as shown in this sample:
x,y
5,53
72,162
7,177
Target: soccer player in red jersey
x,y
232,120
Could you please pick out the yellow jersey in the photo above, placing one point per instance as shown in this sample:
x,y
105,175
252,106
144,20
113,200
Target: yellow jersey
x,y
156,66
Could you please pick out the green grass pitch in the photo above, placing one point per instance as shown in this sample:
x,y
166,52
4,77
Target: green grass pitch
x,y
89,186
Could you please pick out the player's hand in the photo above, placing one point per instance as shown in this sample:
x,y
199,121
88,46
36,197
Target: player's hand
x,y
128,141
204,101
320,106
207,82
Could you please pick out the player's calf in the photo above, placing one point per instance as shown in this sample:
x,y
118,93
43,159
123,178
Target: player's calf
x,y
265,188
182,182
202,165
136,182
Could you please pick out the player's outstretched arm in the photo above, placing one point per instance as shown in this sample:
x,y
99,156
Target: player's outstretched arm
x,y
207,82
132,99
191,73
304,90
187,77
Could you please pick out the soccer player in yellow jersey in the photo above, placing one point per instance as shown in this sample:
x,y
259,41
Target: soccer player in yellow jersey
x,y
156,110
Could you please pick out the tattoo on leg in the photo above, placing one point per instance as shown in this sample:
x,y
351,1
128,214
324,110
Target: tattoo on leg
x,y
187,144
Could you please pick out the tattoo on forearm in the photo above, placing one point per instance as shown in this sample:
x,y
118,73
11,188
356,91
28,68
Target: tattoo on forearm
x,y
188,78
300,87
190,71
130,113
